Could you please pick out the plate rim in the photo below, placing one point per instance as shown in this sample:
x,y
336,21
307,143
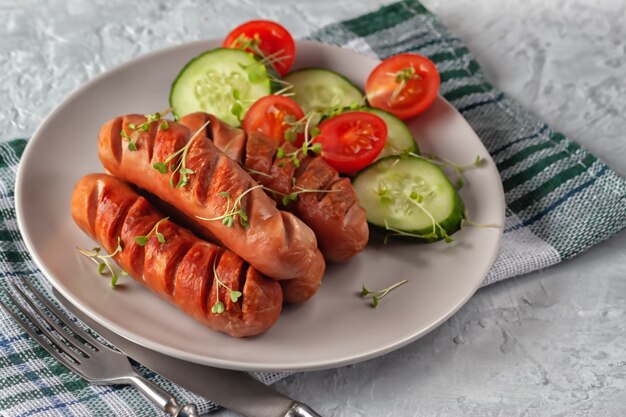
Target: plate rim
x,y
202,359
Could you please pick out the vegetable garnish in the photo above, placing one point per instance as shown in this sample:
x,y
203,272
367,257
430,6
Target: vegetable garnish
x,y
268,40
465,221
228,218
444,163
144,127
104,261
351,141
143,240
379,295
277,117
404,84
433,235
307,145
293,196
218,307
181,165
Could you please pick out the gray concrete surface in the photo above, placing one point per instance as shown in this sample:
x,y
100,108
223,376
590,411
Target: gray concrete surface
x,y
548,344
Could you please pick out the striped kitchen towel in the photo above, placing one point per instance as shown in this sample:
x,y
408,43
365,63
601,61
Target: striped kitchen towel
x,y
560,201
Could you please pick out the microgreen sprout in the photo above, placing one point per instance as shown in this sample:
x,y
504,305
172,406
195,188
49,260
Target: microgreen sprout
x,y
257,72
233,208
293,196
307,144
379,295
254,171
436,233
402,77
218,307
104,261
295,128
236,109
180,166
465,221
132,144
252,44
458,169
338,109
144,127
143,240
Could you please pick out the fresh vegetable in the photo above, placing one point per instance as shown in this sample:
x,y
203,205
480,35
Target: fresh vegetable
x,y
268,40
178,165
380,294
399,137
351,141
233,208
104,261
322,90
277,117
411,197
223,82
404,84
143,240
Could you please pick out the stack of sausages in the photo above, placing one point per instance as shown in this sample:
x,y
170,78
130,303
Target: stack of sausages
x,y
268,255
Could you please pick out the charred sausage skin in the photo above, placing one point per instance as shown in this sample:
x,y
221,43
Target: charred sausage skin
x,y
182,269
276,243
336,217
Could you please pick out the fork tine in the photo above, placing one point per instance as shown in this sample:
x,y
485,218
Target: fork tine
x,y
41,341
42,329
65,335
95,343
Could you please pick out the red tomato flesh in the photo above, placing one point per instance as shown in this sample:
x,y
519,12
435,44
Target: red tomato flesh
x,y
351,141
269,39
267,116
404,85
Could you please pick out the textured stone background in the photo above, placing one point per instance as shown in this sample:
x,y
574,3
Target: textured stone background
x,y
548,344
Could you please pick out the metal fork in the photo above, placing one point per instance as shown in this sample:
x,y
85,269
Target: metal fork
x,y
83,354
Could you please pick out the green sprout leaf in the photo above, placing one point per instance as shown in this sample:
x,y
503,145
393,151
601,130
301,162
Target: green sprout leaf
x,y
234,296
160,166
141,240
218,308
377,296
180,164
317,148
232,210
236,109
104,261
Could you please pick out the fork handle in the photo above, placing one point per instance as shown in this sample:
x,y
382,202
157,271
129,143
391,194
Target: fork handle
x,y
162,398
301,410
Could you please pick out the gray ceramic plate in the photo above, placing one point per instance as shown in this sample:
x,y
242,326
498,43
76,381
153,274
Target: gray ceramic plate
x,y
336,327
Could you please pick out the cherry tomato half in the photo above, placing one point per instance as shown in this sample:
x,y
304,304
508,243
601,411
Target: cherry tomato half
x,y
351,141
270,115
266,39
405,85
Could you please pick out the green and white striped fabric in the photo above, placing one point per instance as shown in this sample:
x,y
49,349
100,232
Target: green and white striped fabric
x,y
560,201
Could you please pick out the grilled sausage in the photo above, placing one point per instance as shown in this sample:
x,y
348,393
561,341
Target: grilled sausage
x,y
336,217
274,242
180,270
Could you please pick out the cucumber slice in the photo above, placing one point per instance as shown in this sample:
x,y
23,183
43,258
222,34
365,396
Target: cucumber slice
x,y
322,90
399,137
411,195
211,81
